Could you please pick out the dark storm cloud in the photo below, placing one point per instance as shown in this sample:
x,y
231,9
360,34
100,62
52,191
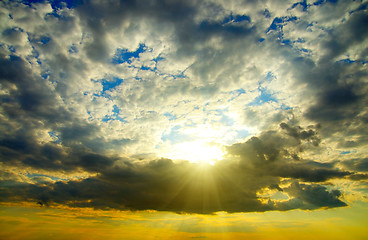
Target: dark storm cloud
x,y
24,151
230,185
338,90
29,96
13,35
276,155
337,104
338,86
164,185
301,134
98,15
31,104
340,105
359,165
311,196
345,36
22,148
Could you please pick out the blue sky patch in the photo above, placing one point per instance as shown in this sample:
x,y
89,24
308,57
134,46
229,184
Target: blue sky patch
x,y
236,18
269,77
265,96
267,13
286,42
279,22
349,61
110,84
226,120
34,175
304,50
73,49
303,4
318,2
180,75
223,118
45,40
236,93
284,107
12,49
55,4
114,116
145,68
30,2
41,40
175,136
300,40
124,55
156,60
324,1
45,75
241,134
170,116
360,8
346,60
54,136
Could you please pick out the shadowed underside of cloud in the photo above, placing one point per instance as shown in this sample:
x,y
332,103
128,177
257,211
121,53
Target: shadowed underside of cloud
x,y
261,164
85,87
184,188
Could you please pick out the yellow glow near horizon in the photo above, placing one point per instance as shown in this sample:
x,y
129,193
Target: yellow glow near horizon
x,y
196,152
26,222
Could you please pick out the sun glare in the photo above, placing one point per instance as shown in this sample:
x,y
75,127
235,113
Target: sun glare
x,y
196,152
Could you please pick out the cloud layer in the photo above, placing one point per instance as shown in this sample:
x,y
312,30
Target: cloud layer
x,y
94,95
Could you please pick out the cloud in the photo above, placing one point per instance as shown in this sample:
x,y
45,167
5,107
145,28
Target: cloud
x,y
277,155
230,185
299,133
360,165
311,197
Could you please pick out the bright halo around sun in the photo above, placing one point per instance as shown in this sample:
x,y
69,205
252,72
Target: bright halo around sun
x,y
196,152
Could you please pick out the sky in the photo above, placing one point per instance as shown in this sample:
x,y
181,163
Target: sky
x,y
183,119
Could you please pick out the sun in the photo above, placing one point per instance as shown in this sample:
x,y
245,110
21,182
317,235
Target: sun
x,y
196,152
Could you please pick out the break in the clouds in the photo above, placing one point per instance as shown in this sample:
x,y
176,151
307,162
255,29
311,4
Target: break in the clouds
x,y
183,106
